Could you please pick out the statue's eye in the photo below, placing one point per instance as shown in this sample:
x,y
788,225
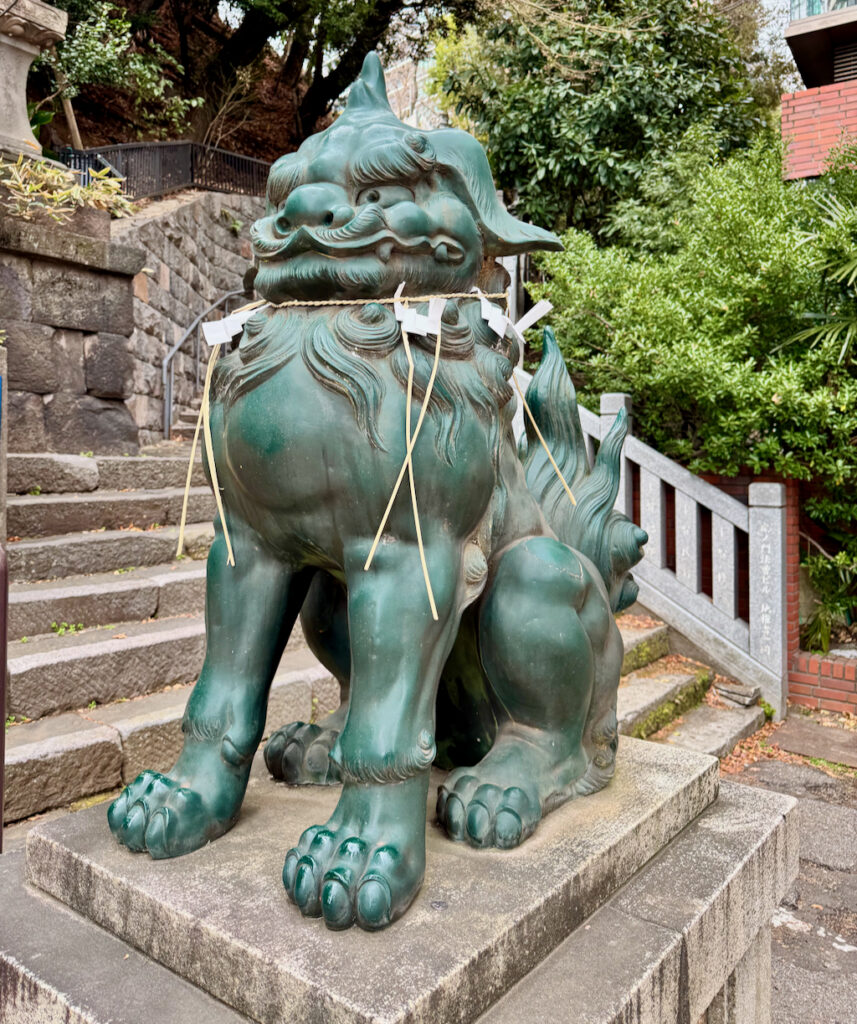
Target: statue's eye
x,y
385,195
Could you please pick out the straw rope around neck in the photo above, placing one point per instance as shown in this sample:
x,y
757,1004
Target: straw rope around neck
x,y
203,423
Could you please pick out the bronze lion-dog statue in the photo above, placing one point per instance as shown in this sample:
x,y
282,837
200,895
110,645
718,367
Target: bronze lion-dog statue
x,y
509,679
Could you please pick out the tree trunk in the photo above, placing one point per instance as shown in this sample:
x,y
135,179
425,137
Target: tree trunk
x,y
323,91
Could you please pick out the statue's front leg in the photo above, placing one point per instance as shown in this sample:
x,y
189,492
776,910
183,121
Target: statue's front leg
x,y
366,864
250,609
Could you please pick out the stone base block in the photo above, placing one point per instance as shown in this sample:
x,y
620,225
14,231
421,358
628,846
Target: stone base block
x,y
592,927
482,921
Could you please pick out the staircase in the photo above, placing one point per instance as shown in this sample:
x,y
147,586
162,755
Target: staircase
x,y
106,628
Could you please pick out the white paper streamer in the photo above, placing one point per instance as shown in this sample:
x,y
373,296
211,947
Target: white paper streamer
x,y
219,332
419,323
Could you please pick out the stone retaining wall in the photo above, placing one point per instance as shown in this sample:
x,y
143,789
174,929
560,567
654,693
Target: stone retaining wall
x,y
66,307
196,248
89,310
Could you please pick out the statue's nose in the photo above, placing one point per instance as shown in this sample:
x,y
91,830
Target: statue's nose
x,y
315,206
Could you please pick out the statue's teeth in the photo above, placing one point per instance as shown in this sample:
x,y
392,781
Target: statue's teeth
x,y
441,253
385,251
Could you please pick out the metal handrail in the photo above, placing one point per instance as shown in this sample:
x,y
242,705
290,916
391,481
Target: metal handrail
x,y
154,168
168,370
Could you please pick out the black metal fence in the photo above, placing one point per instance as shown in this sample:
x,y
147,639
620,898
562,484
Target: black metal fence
x,y
154,168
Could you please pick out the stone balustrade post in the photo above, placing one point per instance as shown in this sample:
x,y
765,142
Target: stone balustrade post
x,y
768,610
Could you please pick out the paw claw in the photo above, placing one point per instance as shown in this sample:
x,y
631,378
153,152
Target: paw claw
x,y
336,904
306,889
374,903
157,832
508,829
134,827
455,817
290,869
479,824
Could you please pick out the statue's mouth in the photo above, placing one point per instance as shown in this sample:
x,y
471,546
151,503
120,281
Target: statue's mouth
x,y
367,233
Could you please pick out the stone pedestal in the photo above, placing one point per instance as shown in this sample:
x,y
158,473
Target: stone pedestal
x,y
648,902
26,28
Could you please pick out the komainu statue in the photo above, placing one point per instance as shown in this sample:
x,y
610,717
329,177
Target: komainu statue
x,y
507,676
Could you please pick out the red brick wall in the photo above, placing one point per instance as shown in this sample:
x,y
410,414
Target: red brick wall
x,y
813,121
829,682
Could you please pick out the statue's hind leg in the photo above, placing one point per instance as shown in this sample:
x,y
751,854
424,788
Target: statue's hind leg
x,y
250,609
299,752
549,647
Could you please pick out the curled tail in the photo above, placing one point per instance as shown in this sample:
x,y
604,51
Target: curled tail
x,y
592,526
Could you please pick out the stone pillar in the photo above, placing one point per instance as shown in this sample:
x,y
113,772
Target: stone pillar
x,y
26,28
768,640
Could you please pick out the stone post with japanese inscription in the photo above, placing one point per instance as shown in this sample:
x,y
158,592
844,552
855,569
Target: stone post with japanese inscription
x,y
768,589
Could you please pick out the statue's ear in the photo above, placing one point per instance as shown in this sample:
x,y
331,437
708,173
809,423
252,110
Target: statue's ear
x,y
462,160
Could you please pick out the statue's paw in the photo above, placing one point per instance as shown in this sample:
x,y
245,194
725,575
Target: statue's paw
x,y
158,815
348,880
484,814
300,755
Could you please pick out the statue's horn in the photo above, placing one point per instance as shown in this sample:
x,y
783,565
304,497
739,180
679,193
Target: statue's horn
x,y
369,92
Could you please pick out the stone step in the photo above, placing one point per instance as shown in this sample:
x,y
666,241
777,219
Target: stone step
x,y
713,730
101,598
687,939
46,514
643,645
57,967
220,917
650,699
63,758
96,551
54,673
146,473
47,473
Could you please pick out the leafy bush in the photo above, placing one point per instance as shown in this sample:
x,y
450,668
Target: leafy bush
x,y
575,100
30,188
100,50
701,313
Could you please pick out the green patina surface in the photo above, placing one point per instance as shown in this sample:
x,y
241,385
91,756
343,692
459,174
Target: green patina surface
x,y
512,684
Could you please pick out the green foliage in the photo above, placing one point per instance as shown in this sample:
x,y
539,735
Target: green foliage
x,y
574,107
61,628
38,118
100,50
834,579
769,709
32,188
698,313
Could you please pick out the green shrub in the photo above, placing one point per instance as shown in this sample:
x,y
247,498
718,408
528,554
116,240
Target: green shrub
x,y
715,312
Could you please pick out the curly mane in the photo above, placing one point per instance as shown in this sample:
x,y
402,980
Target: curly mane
x,y
341,353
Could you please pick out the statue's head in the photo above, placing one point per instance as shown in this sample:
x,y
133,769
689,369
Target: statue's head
x,y
371,202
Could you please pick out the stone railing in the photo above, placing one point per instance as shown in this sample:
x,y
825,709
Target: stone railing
x,y
714,568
